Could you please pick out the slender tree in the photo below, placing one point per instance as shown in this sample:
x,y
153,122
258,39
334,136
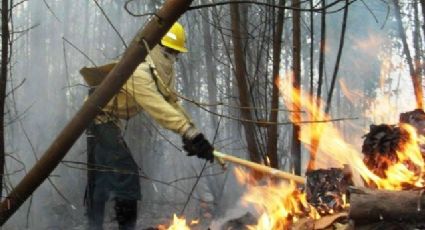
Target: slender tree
x,y
322,53
240,74
422,2
296,68
315,140
338,57
5,34
272,129
416,41
209,64
416,79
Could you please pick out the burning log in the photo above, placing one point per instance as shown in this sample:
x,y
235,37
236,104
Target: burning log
x,y
326,189
373,206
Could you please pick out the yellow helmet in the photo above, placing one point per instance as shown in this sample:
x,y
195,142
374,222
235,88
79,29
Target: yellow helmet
x,y
175,38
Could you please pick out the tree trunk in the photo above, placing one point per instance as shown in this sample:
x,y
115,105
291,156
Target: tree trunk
x,y
416,42
315,140
209,63
3,81
416,80
321,54
296,68
423,15
134,55
240,74
272,130
311,50
369,206
338,58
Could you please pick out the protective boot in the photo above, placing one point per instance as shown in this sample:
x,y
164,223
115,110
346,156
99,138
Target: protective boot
x,y
126,212
95,214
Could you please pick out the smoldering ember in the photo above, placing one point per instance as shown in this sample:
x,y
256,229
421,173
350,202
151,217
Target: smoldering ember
x,y
219,115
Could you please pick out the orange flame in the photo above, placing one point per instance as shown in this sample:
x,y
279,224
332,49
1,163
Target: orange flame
x,y
281,205
335,151
177,224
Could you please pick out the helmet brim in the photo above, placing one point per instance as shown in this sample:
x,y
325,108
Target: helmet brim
x,y
174,47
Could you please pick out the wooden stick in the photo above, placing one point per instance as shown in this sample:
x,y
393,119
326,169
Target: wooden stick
x,y
260,168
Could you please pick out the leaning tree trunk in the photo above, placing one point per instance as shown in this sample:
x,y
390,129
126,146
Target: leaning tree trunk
x,y
240,74
272,129
416,80
3,81
156,28
296,52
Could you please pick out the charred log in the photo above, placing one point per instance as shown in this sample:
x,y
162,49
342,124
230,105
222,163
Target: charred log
x,y
326,189
382,206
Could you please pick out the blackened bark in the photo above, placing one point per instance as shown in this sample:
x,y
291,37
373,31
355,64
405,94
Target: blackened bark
x,y
321,54
296,52
240,74
272,130
372,206
312,50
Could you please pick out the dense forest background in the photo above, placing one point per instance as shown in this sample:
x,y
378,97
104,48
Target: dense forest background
x,y
236,53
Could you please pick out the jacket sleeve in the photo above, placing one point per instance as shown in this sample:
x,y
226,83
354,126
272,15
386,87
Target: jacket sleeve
x,y
144,90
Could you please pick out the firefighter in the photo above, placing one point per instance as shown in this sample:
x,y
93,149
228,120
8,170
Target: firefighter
x,y
150,88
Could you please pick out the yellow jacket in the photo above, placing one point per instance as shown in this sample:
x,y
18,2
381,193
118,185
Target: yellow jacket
x,y
149,88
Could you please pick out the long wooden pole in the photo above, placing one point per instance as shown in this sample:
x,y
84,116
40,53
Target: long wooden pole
x,y
260,168
152,32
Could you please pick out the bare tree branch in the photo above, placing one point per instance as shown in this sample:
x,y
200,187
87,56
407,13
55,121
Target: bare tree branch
x,y
249,2
51,11
110,23
81,52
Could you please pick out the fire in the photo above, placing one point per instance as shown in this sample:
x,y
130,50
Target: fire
x,y
351,95
280,205
178,224
335,151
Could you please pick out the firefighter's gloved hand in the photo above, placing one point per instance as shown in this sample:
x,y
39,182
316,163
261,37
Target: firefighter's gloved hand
x,y
198,146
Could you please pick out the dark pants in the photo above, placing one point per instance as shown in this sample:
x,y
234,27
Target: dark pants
x,y
116,177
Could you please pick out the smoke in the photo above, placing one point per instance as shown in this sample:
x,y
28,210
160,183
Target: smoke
x,y
55,41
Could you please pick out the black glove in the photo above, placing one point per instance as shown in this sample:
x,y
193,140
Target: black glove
x,y
199,146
